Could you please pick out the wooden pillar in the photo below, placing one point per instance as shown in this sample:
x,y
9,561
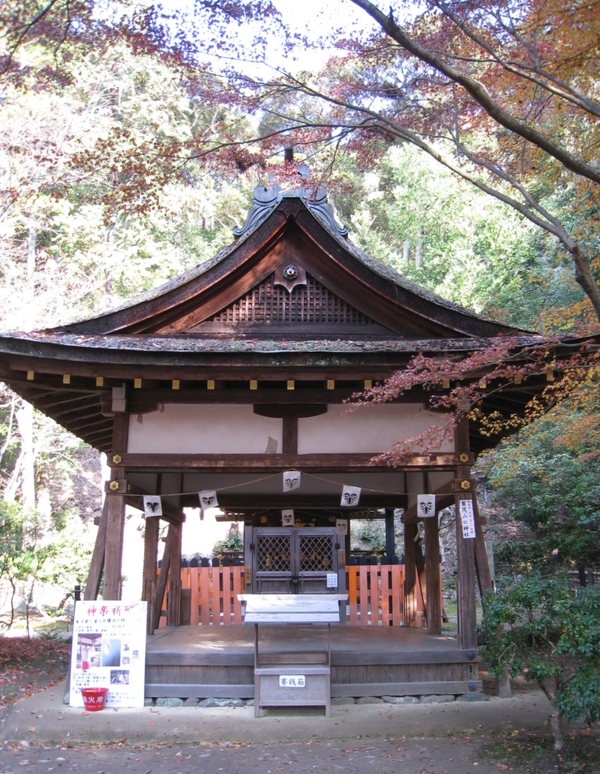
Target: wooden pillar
x,y
390,537
161,583
149,572
433,581
410,574
174,610
92,586
482,564
115,497
465,547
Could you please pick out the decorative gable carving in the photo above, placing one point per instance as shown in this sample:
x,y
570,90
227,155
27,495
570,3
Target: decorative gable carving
x,y
271,305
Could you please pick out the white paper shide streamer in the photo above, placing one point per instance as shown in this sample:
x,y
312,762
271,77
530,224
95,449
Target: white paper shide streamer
x,y
350,495
291,480
152,506
287,518
425,506
208,499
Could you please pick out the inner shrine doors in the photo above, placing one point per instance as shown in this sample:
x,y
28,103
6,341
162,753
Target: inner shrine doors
x,y
294,560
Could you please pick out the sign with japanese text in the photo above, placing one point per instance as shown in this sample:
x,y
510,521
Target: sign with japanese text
x,y
467,518
109,651
292,681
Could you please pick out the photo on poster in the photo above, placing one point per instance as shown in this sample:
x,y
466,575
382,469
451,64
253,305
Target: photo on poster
x,y
119,676
88,651
111,653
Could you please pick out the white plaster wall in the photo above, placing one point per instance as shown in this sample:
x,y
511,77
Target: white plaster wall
x,y
371,429
210,429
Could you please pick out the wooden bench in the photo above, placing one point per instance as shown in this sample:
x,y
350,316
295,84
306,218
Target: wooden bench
x,y
293,677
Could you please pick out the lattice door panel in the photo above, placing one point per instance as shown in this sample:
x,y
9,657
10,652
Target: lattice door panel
x,y
274,553
316,553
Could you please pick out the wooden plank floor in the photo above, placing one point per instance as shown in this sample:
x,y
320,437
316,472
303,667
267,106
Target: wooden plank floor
x,y
347,642
375,660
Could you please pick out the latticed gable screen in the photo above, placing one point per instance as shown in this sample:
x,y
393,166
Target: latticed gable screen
x,y
268,303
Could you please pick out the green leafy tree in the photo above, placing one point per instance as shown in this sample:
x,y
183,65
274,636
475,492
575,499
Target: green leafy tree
x,y
543,629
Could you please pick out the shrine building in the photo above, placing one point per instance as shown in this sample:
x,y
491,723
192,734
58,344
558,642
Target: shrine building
x,y
230,383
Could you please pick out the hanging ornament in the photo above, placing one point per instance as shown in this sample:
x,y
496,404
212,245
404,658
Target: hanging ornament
x,y
341,526
350,495
152,506
291,480
208,499
287,518
426,506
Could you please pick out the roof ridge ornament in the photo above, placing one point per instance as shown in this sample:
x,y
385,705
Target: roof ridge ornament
x,y
266,200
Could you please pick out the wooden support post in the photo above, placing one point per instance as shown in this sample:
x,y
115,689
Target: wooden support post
x,y
433,577
113,547
174,596
422,585
465,547
161,584
149,571
113,554
92,586
482,564
390,537
410,574
466,598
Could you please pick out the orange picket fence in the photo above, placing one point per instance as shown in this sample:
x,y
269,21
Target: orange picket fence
x,y
376,594
210,595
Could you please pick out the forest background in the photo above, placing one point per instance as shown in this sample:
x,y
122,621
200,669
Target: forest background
x,y
132,136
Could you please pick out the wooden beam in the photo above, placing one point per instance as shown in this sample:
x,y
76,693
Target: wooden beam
x,y
92,586
482,565
276,463
465,550
410,574
113,557
161,583
149,568
290,435
174,596
432,576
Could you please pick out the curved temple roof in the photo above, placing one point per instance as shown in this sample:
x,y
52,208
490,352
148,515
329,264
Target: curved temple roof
x,y
290,299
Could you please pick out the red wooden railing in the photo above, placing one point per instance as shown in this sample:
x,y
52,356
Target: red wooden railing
x,y
375,595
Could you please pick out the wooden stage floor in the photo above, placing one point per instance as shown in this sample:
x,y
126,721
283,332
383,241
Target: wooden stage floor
x,y
198,661
295,638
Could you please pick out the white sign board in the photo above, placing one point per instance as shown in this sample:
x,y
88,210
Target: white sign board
x,y
292,681
109,651
467,518
332,580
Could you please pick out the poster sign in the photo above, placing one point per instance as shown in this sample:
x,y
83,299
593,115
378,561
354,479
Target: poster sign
x,y
332,580
109,651
467,518
426,506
